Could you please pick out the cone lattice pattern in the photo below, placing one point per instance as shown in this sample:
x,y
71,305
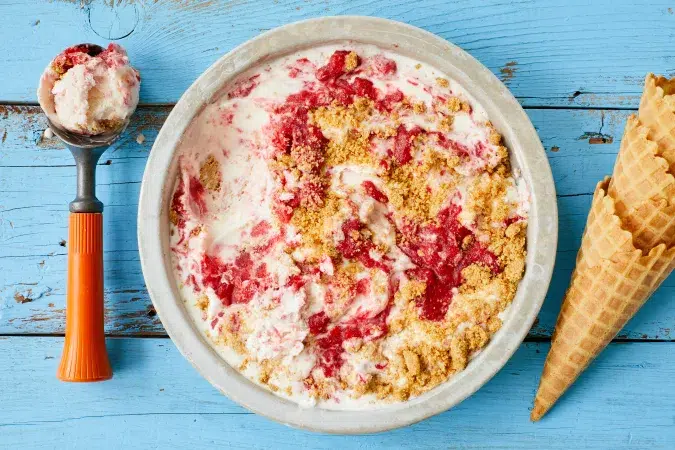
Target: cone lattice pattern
x,y
652,223
628,247
657,112
643,189
640,174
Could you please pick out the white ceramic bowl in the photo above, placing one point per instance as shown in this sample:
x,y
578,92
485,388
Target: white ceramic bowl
x,y
505,113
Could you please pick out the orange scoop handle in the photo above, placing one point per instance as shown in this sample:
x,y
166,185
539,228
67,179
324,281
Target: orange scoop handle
x,y
84,354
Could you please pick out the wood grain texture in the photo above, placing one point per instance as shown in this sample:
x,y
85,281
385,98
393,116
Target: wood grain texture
x,y
152,376
549,52
37,180
556,54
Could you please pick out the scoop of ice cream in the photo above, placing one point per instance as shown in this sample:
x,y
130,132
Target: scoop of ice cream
x,y
89,93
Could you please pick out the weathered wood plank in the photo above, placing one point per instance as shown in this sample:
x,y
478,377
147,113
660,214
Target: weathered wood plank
x,y
561,53
161,402
37,180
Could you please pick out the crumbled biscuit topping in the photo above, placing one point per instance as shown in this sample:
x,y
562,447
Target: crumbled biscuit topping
x,y
209,174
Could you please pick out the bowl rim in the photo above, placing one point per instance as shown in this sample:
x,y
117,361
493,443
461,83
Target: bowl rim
x,y
527,154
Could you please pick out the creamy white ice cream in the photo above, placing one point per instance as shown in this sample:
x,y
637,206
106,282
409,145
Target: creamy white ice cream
x,y
89,93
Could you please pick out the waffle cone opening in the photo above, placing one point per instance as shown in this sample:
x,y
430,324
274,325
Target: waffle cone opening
x,y
643,188
657,113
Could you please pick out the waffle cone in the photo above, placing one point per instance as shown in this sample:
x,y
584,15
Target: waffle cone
x,y
657,112
643,189
611,281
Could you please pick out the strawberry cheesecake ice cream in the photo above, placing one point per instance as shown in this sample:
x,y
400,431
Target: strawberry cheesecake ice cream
x,y
346,226
88,91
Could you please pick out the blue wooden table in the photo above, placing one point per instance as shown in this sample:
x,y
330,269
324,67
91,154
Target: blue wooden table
x,y
576,66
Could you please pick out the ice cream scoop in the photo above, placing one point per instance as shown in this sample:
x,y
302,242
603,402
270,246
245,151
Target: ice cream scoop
x,y
84,354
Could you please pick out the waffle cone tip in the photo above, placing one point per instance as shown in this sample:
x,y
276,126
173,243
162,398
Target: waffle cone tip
x,y
537,412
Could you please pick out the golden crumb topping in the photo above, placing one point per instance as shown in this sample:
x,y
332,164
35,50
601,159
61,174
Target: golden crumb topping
x,y
209,174
351,61
316,225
